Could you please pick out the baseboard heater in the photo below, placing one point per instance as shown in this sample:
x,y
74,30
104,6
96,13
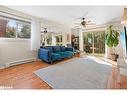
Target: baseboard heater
x,y
20,62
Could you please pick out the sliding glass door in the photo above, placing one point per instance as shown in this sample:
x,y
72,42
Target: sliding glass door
x,y
94,43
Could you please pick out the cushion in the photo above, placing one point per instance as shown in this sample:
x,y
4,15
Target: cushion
x,y
63,48
55,56
63,54
69,53
56,49
69,49
49,48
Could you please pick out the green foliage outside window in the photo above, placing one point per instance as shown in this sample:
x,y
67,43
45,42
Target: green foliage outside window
x,y
58,40
12,28
10,32
49,39
25,31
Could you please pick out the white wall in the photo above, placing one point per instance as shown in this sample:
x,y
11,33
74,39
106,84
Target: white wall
x,y
81,41
12,50
15,50
66,41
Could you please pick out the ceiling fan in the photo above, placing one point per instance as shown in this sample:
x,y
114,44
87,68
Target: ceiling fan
x,y
85,22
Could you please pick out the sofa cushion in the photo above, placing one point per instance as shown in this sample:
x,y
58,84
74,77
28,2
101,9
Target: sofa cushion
x,y
65,54
69,52
49,48
55,56
69,49
63,48
56,49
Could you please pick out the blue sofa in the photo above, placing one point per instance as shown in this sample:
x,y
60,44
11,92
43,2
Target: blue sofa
x,y
53,53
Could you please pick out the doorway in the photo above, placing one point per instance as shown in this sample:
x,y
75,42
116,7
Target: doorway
x,y
94,43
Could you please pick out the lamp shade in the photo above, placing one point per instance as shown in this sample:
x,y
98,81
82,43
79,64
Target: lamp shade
x,y
124,17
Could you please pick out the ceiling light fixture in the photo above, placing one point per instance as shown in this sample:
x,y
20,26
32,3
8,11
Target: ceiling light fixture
x,y
45,30
83,23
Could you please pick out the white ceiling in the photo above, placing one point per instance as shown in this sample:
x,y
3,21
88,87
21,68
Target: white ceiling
x,y
69,14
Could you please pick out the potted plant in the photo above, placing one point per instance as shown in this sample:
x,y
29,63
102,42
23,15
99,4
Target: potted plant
x,y
112,40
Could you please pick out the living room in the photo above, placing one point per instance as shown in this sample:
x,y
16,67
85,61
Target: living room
x,y
54,47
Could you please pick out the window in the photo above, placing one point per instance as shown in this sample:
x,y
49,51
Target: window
x,y
23,30
12,28
49,39
58,39
46,39
94,43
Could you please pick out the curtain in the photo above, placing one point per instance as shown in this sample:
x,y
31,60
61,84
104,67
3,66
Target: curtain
x,y
35,34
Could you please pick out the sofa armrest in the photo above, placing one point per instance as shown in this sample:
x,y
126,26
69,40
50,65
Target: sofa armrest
x,y
70,49
44,54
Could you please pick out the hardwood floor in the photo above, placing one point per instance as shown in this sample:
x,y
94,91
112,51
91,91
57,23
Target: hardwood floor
x,y
22,77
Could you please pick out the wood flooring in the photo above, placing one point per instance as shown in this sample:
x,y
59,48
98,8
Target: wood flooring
x,y
22,77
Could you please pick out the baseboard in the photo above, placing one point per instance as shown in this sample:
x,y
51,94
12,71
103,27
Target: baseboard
x,y
20,62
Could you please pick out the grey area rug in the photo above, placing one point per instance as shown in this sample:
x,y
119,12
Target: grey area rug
x,y
77,73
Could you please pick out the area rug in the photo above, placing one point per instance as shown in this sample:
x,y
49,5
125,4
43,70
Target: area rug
x,y
77,73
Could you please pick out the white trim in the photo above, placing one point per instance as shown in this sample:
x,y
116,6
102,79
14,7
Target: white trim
x,y
16,17
20,62
14,40
2,38
94,29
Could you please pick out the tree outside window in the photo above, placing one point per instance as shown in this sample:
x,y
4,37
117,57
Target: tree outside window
x,y
11,28
49,39
23,31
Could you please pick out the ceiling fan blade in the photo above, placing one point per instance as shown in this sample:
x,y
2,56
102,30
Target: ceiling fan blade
x,y
91,24
77,27
77,23
89,21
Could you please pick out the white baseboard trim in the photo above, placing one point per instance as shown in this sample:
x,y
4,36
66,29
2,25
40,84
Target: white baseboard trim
x,y
20,62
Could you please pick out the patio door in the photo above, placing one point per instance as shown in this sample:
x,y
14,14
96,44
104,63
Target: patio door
x,y
94,43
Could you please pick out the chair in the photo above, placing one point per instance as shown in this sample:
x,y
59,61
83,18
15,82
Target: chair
x,y
121,64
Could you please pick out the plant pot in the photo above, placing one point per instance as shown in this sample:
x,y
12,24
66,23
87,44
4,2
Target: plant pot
x,y
114,56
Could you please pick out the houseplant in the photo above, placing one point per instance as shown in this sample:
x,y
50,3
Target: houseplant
x,y
112,40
